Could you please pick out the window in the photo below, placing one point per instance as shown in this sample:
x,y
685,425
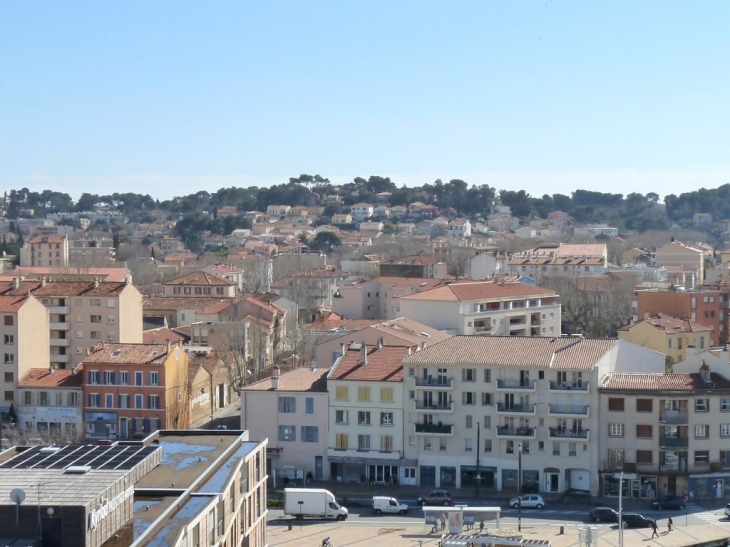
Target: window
x,y
110,319
644,405
443,444
153,401
469,375
138,401
310,434
124,401
702,431
386,418
724,430
702,456
309,405
95,302
94,400
468,421
9,358
386,394
138,376
28,398
556,449
644,456
94,376
342,393
287,405
615,430
96,318
95,335
488,445
702,405
724,405
154,378
363,442
616,404
123,378
644,431
386,443
468,445
9,339
108,378
487,376
487,422
109,403
572,449
43,399
363,417
541,446
468,398
342,416
74,399
109,302
9,320
363,393
486,399
287,433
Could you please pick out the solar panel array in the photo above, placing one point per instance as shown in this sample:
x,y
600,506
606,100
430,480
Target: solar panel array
x,y
123,457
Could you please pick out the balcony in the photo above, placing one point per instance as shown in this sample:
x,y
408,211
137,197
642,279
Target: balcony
x,y
577,386
435,383
60,358
59,326
483,328
516,409
516,385
506,432
674,417
434,429
578,434
59,310
60,342
673,442
569,410
434,407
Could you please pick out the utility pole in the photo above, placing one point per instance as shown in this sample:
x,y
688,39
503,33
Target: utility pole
x,y
620,476
477,477
519,489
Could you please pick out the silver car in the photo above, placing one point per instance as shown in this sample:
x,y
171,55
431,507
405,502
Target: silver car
x,y
529,501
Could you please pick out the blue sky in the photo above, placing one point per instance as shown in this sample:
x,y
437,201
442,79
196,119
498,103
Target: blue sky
x,y
168,98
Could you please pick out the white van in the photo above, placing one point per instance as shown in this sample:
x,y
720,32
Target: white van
x,y
386,504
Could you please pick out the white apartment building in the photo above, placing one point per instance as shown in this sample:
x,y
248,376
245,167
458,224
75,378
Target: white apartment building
x,y
365,441
486,308
538,267
291,410
474,402
361,211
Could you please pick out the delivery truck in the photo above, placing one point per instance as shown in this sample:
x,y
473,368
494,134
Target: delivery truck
x,y
312,503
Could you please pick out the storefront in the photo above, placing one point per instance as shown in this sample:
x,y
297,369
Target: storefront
x,y
709,486
530,480
101,424
368,470
642,487
487,477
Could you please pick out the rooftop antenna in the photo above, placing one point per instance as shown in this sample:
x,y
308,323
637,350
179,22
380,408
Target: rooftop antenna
x,y
17,495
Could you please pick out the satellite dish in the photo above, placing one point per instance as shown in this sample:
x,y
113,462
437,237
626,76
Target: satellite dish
x,y
18,496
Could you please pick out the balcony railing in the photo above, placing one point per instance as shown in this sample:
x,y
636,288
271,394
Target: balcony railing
x,y
438,429
578,410
506,431
483,328
674,442
435,382
525,408
434,406
570,386
558,433
674,417
516,384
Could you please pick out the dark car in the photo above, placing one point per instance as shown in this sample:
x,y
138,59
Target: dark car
x,y
435,497
603,514
635,520
670,502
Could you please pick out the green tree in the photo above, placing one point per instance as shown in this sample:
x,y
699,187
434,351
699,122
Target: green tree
x,y
325,241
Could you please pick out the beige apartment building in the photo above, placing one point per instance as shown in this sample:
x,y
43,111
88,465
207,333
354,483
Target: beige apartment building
x,y
676,253
200,284
25,343
51,251
671,432
475,402
83,313
50,404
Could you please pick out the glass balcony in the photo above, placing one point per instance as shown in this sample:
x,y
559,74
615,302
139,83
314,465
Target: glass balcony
x,y
434,429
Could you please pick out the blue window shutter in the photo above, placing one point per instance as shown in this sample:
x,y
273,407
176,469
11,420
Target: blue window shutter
x,y
316,434
149,401
90,378
147,425
114,378
134,425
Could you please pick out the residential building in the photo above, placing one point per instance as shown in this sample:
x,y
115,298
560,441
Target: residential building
x,y
675,253
342,218
50,404
414,266
485,399
171,244
73,274
702,220
310,289
230,272
647,423
25,343
367,417
50,251
132,390
538,267
486,264
460,227
486,308
210,388
374,228
278,210
668,335
86,252
290,409
360,212
198,284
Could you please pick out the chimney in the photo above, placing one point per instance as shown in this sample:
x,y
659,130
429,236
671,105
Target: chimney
x,y
646,316
423,345
705,371
275,378
96,281
16,282
50,369
408,350
363,354
43,281
380,342
342,349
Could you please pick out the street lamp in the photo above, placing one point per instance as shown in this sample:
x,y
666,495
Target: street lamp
x,y
108,430
478,477
519,488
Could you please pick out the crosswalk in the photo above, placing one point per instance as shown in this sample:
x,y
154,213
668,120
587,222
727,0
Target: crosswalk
x,y
716,518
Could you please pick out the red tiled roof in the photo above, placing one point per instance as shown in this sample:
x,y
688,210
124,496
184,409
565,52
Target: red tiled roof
x,y
454,292
161,334
669,324
201,278
47,239
663,382
564,353
108,274
64,288
136,354
414,259
42,377
384,364
299,379
11,304
181,302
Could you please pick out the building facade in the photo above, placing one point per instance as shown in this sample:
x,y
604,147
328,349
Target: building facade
x,y
49,251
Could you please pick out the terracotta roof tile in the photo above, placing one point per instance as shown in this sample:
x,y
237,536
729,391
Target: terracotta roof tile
x,y
162,334
384,364
134,354
189,303
299,379
671,325
42,377
663,382
564,353
201,278
64,288
455,292
11,304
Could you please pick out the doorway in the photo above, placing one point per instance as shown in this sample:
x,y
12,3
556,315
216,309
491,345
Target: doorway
x,y
123,428
318,468
552,482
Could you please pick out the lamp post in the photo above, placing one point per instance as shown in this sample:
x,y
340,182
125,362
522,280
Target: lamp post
x,y
519,488
477,477
108,430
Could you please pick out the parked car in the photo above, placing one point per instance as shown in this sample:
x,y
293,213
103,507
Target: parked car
x,y
435,497
386,504
669,502
727,510
603,514
531,500
635,520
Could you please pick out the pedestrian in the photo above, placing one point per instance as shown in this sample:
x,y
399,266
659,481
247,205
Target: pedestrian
x,y
654,528
669,524
390,481
443,521
481,527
